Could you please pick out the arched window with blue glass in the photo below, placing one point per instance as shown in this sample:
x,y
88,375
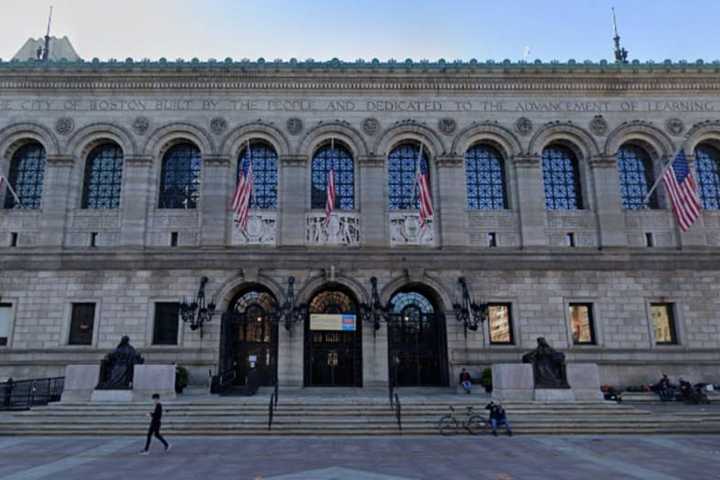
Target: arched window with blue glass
x,y
404,163
707,162
485,178
180,177
26,177
103,177
635,168
264,171
561,178
336,157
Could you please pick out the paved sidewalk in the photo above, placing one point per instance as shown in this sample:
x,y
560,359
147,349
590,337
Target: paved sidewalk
x,y
386,458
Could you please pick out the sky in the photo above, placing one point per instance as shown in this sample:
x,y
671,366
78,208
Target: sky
x,y
399,29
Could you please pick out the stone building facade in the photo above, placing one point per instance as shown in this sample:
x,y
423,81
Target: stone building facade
x,y
600,278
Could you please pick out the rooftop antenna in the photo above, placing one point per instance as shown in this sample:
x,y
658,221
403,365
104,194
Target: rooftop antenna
x,y
46,50
620,53
526,54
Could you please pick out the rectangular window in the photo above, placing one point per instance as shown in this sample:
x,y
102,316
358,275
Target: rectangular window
x,y
5,322
500,324
82,322
14,239
570,239
582,324
165,328
174,239
664,323
492,239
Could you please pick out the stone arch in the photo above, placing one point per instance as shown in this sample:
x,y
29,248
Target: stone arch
x,y
165,137
339,130
235,141
439,293
657,142
494,134
225,293
705,132
316,283
14,136
84,140
564,133
409,130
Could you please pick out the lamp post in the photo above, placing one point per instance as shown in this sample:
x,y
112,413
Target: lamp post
x,y
468,312
290,313
375,312
197,313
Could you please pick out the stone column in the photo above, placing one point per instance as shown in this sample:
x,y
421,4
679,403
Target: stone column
x,y
531,200
451,201
136,201
57,186
373,202
696,236
608,205
293,199
215,199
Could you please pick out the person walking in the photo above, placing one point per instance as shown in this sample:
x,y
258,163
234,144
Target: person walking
x,y
155,423
498,418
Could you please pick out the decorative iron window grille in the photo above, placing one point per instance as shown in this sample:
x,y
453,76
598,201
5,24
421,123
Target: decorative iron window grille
x,y
338,158
636,177
485,178
180,177
403,300
103,177
256,306
332,301
26,176
265,174
403,191
707,162
561,179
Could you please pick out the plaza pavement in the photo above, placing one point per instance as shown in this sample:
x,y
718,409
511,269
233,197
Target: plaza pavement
x,y
364,458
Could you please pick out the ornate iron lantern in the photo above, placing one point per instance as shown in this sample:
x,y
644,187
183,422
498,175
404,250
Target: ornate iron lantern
x,y
197,313
375,312
468,312
289,313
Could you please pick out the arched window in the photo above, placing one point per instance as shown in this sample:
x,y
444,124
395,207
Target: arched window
x,y
561,178
636,177
103,177
707,162
180,177
27,172
485,178
403,192
335,157
265,174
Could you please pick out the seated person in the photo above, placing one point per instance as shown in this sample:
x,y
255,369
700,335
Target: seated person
x,y
498,418
466,380
664,389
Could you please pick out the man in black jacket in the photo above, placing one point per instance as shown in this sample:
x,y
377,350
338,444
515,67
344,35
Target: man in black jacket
x,y
155,423
498,418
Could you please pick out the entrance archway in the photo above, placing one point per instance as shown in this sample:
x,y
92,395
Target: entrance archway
x,y
417,345
333,339
249,336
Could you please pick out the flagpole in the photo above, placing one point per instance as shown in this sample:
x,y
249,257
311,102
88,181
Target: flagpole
x,y
660,177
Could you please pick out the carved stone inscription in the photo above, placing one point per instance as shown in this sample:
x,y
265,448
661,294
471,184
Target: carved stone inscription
x,y
367,105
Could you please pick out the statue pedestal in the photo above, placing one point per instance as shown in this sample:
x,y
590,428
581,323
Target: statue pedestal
x,y
80,381
512,382
150,379
554,395
584,378
112,396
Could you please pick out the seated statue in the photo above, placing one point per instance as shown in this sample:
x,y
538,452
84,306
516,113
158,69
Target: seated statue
x,y
116,369
548,366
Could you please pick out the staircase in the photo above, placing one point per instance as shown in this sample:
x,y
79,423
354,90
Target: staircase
x,y
349,416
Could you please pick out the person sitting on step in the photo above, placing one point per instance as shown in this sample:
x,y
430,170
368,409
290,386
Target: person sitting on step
x,y
498,418
466,381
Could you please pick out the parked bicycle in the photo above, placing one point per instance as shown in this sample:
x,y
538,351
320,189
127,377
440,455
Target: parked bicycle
x,y
473,423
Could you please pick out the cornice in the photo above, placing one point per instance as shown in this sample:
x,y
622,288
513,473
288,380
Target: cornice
x,y
61,160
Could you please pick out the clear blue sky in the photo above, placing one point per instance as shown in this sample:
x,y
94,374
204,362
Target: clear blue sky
x,y
322,29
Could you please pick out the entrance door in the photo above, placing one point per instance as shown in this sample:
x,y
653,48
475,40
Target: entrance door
x,y
416,342
333,341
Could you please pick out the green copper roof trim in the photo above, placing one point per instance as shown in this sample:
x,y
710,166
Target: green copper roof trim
x,y
374,64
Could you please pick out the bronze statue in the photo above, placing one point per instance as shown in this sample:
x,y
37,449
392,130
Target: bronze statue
x,y
116,369
548,366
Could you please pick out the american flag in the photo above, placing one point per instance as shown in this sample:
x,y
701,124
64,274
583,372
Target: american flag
x,y
681,187
243,192
330,200
423,181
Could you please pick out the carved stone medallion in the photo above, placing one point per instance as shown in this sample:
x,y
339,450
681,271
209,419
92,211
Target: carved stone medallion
x,y
370,126
675,126
141,125
598,125
524,126
294,126
447,125
64,126
218,125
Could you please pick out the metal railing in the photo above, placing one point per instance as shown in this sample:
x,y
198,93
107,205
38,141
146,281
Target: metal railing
x,y
272,406
398,411
25,394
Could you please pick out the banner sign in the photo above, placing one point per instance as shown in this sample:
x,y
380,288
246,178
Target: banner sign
x,y
343,322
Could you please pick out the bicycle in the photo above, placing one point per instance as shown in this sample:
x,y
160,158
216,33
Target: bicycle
x,y
472,422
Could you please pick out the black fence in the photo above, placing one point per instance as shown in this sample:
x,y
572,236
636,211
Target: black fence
x,y
25,394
